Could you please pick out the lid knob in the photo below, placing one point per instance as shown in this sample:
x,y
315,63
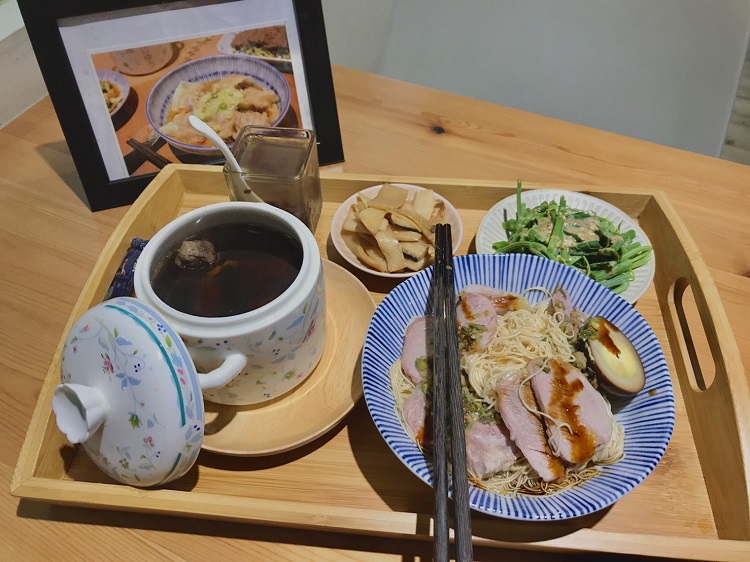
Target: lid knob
x,y
79,410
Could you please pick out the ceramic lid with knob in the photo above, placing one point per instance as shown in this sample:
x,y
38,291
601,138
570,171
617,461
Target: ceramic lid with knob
x,y
130,393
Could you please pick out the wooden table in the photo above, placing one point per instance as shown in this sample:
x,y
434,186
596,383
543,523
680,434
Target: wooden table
x,y
50,240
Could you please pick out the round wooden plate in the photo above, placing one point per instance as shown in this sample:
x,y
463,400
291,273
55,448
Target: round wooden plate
x,y
321,401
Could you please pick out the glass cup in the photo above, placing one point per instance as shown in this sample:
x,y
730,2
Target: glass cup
x,y
279,165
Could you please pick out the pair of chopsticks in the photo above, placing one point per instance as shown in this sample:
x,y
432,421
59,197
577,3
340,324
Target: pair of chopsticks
x,y
447,408
148,152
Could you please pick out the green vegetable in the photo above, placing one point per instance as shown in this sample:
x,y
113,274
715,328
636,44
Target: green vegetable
x,y
469,335
592,244
474,408
211,102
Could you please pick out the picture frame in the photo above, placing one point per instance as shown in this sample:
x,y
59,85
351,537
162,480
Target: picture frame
x,y
135,49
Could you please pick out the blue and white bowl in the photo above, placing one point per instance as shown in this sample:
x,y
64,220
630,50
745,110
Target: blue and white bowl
x,y
212,68
648,418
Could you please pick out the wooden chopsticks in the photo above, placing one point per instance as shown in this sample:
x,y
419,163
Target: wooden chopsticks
x,y
148,153
447,408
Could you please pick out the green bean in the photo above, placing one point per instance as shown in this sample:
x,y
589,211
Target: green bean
x,y
609,260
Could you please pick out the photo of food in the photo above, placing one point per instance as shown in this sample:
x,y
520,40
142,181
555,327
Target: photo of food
x,y
228,80
267,43
227,104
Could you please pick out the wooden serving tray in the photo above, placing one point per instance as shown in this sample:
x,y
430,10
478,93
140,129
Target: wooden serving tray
x,y
693,506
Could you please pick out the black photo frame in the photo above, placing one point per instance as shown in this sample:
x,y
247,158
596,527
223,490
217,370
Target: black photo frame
x,y
106,189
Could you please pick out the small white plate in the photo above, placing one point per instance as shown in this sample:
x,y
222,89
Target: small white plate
x,y
118,80
491,228
451,216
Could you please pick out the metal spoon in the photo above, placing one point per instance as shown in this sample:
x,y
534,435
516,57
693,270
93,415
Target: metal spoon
x,y
204,129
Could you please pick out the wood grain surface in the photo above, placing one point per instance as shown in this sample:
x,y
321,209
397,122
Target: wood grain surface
x,y
50,242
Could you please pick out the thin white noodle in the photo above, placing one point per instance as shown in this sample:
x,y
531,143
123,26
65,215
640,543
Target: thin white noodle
x,y
520,337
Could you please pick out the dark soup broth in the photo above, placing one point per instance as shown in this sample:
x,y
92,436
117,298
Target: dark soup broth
x,y
228,269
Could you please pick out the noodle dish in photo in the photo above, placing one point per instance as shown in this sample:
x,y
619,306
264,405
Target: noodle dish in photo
x,y
228,92
567,398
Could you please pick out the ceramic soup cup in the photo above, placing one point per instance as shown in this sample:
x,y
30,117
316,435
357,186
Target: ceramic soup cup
x,y
272,348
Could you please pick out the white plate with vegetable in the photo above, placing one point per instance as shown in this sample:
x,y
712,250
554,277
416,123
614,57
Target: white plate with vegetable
x,y
588,234
387,232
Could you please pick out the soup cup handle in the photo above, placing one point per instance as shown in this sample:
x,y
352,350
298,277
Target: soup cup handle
x,y
230,368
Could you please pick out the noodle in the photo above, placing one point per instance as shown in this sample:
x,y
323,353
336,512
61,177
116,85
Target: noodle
x,y
521,336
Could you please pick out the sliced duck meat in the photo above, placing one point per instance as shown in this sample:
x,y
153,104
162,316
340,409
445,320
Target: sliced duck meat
x,y
564,394
489,449
416,356
526,428
502,300
572,318
477,322
415,415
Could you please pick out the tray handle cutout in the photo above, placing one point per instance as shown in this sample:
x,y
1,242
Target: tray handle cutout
x,y
689,336
719,420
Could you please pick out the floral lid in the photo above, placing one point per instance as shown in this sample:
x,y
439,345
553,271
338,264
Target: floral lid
x,y
130,394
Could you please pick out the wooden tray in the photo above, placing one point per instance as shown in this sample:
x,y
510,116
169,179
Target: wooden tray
x,y
693,506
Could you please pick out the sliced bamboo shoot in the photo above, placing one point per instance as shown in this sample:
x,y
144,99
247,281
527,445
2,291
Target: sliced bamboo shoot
x,y
372,219
391,248
403,221
394,231
414,250
389,197
418,265
405,234
364,200
363,247
425,225
351,222
438,212
374,253
423,202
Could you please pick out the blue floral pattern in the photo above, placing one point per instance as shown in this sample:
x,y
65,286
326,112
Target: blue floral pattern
x,y
154,426
275,364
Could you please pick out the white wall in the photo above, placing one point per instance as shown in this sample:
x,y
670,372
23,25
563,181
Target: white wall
x,y
357,32
10,18
661,70
25,86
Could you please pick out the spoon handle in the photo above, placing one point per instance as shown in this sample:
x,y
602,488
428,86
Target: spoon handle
x,y
204,129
